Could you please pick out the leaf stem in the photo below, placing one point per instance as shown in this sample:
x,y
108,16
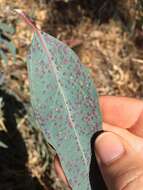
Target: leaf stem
x,y
28,20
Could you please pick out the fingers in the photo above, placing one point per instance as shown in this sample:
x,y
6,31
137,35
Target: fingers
x,y
137,128
135,141
59,171
123,112
120,164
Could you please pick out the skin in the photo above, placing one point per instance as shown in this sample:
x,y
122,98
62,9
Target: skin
x,y
122,117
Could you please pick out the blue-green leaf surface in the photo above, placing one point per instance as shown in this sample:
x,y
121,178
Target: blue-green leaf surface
x,y
6,28
65,104
3,56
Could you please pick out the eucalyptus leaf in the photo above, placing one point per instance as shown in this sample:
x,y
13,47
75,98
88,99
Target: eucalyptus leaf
x,y
3,56
9,45
65,104
6,28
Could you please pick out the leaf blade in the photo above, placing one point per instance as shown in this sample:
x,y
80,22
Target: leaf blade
x,y
81,92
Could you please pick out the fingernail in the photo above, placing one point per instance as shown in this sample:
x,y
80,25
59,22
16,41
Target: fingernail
x,y
108,147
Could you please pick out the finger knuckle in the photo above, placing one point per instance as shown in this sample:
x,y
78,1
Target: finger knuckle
x,y
131,180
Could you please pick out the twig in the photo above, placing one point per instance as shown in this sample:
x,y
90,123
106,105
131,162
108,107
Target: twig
x,y
2,128
138,60
22,121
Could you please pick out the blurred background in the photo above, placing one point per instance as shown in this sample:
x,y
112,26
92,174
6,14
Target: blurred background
x,y
107,35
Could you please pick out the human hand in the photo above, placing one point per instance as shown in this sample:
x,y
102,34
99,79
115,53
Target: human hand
x,y
119,150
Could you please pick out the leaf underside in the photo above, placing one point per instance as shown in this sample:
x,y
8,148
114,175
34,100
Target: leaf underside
x,y
65,105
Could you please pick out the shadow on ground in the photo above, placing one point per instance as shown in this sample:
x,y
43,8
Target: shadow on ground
x,y
64,15
13,172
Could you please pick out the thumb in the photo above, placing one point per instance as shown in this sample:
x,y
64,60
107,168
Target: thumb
x,y
121,166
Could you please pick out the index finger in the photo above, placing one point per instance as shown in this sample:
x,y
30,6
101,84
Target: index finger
x,y
122,111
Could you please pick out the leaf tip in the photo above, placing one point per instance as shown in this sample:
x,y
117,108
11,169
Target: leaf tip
x,y
26,18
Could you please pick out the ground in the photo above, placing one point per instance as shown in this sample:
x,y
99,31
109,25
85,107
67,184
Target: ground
x,y
108,38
